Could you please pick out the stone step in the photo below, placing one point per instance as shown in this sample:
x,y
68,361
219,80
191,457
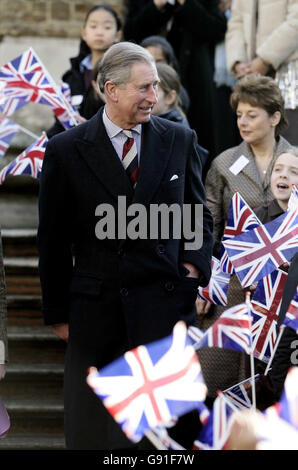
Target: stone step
x,y
18,285
19,242
24,381
35,344
24,302
25,317
21,266
32,442
31,415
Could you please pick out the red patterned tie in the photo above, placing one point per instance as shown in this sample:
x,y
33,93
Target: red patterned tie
x,y
130,157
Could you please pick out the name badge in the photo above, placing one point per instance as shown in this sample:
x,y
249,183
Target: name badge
x,y
238,165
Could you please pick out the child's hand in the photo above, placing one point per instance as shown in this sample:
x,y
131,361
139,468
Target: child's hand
x,y
202,306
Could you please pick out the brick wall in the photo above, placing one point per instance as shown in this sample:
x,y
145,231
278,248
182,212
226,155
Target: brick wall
x,y
48,18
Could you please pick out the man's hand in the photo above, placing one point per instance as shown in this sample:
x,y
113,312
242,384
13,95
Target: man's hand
x,y
193,271
61,331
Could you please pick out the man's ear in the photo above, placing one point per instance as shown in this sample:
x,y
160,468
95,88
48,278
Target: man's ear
x,y
111,90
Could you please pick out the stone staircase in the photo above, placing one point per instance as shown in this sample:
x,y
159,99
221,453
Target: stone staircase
x,y
33,386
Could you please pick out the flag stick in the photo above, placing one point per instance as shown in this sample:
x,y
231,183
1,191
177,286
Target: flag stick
x,y
23,129
252,363
281,330
155,440
26,131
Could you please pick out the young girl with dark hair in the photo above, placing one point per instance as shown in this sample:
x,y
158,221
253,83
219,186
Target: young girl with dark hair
x,y
101,29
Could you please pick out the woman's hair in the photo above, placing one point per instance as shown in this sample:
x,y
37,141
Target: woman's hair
x,y
165,46
115,65
169,80
262,92
84,49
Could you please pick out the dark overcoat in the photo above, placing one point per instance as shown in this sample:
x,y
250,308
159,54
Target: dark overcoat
x,y
114,293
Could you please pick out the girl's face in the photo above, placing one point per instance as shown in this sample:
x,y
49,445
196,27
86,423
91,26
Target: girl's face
x,y
255,124
284,175
164,101
100,30
156,52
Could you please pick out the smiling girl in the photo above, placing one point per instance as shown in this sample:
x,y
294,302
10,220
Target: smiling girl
x,y
283,176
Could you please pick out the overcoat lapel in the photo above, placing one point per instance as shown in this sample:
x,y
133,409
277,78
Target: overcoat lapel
x,y
100,156
157,141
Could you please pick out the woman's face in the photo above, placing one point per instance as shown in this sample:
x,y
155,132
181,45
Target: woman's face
x,y
283,176
255,124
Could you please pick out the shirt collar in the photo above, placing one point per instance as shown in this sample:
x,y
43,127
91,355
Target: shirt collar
x,y
113,129
86,63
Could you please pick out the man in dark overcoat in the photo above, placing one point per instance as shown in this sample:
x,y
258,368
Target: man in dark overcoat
x,y
105,289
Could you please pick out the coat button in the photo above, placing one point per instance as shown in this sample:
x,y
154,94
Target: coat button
x,y
169,286
121,252
161,249
124,291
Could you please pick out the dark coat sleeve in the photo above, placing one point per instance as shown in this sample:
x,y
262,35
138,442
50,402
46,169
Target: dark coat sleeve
x,y
202,225
144,19
54,237
203,20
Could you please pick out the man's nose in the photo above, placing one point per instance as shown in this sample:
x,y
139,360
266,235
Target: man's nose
x,y
152,95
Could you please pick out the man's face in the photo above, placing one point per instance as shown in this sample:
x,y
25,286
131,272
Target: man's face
x,y
136,98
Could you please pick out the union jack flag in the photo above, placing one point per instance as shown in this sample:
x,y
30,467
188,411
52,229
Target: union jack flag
x,y
8,130
25,79
69,116
28,162
240,219
217,428
217,290
8,106
151,385
265,305
231,330
291,317
237,394
258,252
293,201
